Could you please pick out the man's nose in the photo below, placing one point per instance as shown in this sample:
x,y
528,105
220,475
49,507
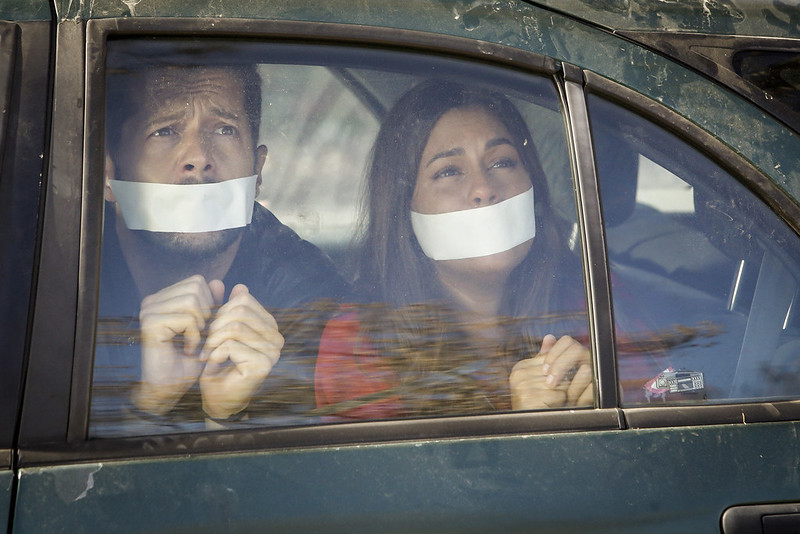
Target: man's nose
x,y
482,191
196,154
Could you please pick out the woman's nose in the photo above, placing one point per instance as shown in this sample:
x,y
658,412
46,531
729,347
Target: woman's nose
x,y
482,192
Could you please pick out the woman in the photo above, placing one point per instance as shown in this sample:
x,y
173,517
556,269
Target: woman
x,y
457,291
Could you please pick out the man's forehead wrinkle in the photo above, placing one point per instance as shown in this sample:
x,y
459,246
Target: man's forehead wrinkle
x,y
188,81
172,104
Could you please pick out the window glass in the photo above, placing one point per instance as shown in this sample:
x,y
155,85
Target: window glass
x,y
411,240
704,275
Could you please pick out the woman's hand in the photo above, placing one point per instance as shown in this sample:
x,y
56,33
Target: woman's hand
x,y
560,375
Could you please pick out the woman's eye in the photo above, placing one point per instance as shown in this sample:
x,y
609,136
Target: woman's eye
x,y
504,163
450,170
225,130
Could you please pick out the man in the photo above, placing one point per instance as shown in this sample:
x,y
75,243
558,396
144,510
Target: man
x,y
205,281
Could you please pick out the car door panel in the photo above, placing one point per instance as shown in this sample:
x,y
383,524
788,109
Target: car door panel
x,y
658,480
6,489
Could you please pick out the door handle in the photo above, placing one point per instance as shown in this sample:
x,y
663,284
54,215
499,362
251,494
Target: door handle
x,y
762,518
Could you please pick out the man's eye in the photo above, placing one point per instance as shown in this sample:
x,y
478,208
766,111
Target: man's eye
x,y
450,170
225,130
163,132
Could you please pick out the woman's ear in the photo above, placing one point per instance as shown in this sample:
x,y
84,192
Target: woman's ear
x,y
108,174
261,159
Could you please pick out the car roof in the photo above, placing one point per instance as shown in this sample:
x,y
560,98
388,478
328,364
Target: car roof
x,y
767,18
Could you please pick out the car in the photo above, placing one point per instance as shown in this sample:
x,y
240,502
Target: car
x,y
669,137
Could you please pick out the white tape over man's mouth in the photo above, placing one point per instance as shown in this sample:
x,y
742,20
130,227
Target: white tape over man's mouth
x,y
186,208
476,232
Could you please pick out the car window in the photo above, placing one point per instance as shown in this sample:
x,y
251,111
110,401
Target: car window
x,y
704,274
322,261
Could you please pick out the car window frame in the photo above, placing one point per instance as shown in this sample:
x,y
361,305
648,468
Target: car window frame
x,y
59,438
61,435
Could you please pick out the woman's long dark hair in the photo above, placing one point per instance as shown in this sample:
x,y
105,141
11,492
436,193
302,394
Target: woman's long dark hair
x,y
393,267
410,317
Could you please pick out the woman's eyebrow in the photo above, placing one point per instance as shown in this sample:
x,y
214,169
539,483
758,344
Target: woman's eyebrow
x,y
445,154
497,141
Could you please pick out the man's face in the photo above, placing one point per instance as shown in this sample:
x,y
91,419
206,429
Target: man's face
x,y
189,126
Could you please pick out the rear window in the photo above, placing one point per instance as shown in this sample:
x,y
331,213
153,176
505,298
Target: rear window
x,y
298,234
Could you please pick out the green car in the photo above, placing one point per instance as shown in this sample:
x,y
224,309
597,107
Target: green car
x,y
382,266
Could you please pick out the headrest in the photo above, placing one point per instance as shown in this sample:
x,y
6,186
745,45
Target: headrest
x,y
618,169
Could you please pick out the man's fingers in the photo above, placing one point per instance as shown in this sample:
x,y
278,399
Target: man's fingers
x,y
239,289
244,320
241,303
232,374
253,335
191,295
217,290
234,357
158,329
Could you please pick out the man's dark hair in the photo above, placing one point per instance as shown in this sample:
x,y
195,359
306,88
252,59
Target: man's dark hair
x,y
122,87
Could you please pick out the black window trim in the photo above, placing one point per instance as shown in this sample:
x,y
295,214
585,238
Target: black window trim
x,y
9,34
46,398
598,279
27,79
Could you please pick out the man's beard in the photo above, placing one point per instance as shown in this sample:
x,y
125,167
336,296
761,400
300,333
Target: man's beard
x,y
190,247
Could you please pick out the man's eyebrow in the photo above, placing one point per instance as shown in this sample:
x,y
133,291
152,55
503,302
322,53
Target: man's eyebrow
x,y
458,151
225,114
173,116
158,118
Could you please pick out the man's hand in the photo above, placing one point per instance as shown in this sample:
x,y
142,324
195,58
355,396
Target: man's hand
x,y
242,347
560,375
172,322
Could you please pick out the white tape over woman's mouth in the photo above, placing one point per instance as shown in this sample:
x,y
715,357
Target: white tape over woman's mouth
x,y
476,232
186,208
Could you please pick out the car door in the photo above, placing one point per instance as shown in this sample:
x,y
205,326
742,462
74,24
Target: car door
x,y
638,458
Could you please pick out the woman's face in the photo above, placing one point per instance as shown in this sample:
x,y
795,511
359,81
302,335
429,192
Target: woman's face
x,y
470,162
